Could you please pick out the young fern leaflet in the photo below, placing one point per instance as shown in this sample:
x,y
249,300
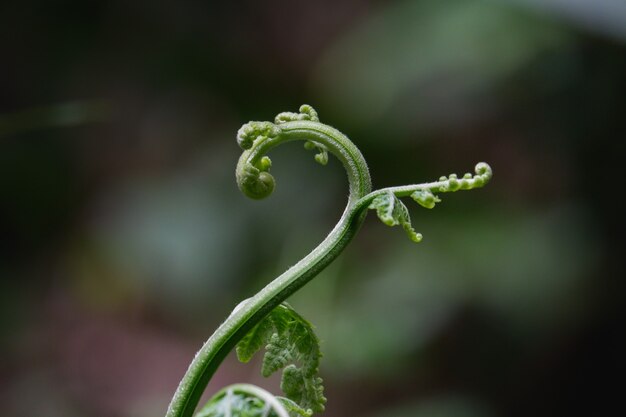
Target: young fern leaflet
x,y
263,319
287,338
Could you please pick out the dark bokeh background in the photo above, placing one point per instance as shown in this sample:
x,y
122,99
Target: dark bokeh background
x,y
125,241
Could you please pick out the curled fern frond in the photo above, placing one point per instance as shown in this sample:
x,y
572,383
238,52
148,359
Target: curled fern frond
x,y
257,182
262,320
288,339
257,138
392,212
245,400
468,181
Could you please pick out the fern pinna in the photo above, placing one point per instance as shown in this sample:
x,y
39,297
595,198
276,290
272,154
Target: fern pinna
x,y
264,320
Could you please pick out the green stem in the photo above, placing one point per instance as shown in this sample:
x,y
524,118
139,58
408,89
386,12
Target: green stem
x,y
482,176
254,309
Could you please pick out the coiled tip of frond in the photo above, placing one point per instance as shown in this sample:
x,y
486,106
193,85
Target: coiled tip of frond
x,y
483,170
467,181
310,112
253,179
258,188
254,182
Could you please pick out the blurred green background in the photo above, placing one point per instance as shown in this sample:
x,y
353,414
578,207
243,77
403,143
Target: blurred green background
x,y
125,241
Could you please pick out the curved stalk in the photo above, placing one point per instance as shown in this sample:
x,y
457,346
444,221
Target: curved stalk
x,y
254,180
254,309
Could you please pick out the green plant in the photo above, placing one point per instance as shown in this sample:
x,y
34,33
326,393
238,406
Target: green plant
x,y
264,319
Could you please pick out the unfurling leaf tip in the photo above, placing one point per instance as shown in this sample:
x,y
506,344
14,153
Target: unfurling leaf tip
x,y
392,212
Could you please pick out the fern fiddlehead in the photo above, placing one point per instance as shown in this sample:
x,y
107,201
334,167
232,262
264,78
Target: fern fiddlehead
x,y
262,318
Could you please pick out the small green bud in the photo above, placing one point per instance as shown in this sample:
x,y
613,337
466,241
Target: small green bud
x,y
264,164
322,157
478,181
453,183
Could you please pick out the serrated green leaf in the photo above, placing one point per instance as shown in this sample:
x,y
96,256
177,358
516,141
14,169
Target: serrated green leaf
x,y
307,347
392,212
294,409
277,355
385,206
289,338
253,341
307,391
